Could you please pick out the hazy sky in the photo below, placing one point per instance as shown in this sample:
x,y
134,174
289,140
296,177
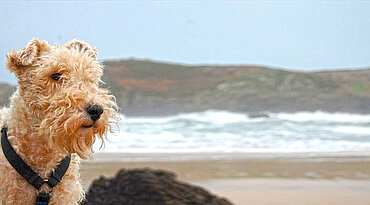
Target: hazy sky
x,y
293,35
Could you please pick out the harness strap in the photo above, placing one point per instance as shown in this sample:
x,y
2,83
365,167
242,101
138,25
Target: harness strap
x,y
17,162
24,170
57,175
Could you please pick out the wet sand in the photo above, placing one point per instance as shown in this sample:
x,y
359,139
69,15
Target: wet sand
x,y
281,191
255,179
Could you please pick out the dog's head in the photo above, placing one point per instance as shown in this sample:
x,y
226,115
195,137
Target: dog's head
x,y
60,86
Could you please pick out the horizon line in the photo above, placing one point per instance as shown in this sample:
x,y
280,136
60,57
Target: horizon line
x,y
235,65
220,65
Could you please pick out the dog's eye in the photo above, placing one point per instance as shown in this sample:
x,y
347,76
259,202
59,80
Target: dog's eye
x,y
56,76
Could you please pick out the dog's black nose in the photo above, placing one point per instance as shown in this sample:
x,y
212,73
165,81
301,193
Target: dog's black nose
x,y
94,112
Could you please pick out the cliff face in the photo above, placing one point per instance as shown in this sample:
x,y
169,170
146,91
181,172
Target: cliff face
x,y
151,88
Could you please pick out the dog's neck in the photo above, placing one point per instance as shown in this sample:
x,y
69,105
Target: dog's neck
x,y
24,134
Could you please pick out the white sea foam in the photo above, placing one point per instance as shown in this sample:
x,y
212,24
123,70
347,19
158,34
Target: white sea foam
x,y
352,130
320,116
222,131
210,116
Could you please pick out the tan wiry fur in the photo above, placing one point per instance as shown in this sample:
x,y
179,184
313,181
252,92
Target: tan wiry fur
x,y
45,117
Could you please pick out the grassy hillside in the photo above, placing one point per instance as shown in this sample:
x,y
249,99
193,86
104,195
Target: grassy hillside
x,y
146,87
152,88
5,92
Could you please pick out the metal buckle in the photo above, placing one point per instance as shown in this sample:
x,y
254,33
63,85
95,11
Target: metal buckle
x,y
43,198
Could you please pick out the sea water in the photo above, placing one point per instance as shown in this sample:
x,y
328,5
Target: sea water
x,y
222,131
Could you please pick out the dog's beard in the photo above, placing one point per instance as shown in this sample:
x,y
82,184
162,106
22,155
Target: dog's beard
x,y
67,134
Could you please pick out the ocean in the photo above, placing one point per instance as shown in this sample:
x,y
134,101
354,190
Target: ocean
x,y
227,132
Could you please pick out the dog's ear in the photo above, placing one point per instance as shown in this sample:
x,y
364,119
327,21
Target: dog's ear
x,y
16,61
83,47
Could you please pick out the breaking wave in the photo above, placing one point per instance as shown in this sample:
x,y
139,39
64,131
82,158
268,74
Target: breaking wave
x,y
223,131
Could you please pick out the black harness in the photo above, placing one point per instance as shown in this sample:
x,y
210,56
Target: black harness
x,y
31,176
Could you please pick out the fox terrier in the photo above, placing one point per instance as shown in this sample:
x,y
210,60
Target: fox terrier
x,y
53,120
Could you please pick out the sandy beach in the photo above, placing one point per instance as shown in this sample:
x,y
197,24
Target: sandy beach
x,y
338,178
